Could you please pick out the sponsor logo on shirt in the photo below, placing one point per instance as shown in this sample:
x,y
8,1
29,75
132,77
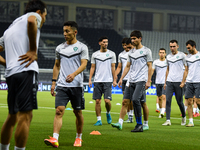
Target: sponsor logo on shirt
x,y
75,49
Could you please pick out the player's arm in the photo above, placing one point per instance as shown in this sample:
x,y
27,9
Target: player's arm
x,y
56,70
117,71
82,67
126,70
91,74
166,74
148,84
31,55
2,60
113,74
152,71
184,77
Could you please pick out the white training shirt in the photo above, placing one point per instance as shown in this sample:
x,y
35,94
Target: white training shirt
x,y
176,66
193,63
138,59
103,62
70,60
16,43
160,68
122,58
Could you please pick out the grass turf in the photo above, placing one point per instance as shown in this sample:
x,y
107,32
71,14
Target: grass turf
x,y
157,137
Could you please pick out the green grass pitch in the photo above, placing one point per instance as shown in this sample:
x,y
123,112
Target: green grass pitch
x,y
174,137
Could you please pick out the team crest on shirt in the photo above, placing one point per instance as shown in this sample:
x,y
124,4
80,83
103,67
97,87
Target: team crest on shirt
x,y
107,55
177,57
75,49
197,56
141,52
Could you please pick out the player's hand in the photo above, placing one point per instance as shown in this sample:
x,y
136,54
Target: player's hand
x,y
70,78
120,83
29,57
52,90
182,84
148,84
114,83
164,86
90,84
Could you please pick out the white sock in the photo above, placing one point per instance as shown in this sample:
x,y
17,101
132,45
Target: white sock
x,y
128,113
4,147
98,118
121,121
55,135
79,135
163,110
191,120
108,112
185,108
169,120
194,110
197,110
131,112
157,106
145,123
17,148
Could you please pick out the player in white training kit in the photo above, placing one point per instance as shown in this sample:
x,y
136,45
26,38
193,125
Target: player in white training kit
x,y
20,42
160,66
192,71
174,75
71,59
103,63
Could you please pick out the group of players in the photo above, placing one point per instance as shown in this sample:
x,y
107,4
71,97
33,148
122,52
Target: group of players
x,y
71,59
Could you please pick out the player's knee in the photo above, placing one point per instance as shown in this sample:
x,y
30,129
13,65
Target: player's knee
x,y
77,113
98,101
107,101
160,98
59,112
126,102
190,101
12,119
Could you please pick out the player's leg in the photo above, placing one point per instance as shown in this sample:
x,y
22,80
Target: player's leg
x,y
195,108
145,111
163,108
159,97
131,112
157,105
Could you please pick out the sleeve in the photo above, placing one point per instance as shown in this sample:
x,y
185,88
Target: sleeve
x,y
57,55
84,53
2,42
38,18
114,58
149,56
119,60
128,58
154,66
184,59
92,59
167,61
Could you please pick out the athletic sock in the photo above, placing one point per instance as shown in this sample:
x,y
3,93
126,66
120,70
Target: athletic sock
x,y
146,123
98,118
55,135
157,106
139,120
17,148
79,135
191,120
108,112
194,110
4,147
168,120
121,121
128,113
131,112
197,110
185,108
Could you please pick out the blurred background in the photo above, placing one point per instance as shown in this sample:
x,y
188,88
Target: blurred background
x,y
159,21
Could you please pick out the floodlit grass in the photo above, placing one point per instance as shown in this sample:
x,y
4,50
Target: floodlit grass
x,y
157,137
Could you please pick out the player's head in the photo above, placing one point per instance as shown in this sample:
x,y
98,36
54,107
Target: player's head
x,y
129,45
124,43
162,53
173,44
103,42
70,30
191,46
136,37
37,6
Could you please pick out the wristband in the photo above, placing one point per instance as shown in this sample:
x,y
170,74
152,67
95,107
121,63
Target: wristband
x,y
53,80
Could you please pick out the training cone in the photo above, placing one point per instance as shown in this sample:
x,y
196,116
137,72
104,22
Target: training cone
x,y
95,133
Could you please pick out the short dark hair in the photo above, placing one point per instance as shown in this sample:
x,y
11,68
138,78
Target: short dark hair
x,y
102,38
34,5
124,40
162,49
136,33
174,41
72,24
191,42
128,41
185,53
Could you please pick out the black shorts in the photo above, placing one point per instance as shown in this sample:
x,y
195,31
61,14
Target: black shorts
x,y
73,94
137,91
192,89
22,91
102,88
123,85
160,89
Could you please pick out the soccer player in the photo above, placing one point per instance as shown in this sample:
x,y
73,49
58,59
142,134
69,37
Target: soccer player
x,y
103,61
122,61
160,66
192,71
174,75
71,60
139,63
20,42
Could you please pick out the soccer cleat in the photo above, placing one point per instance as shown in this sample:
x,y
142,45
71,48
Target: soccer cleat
x,y
127,121
196,114
145,127
167,123
117,125
159,116
131,119
109,119
78,142
98,123
52,141
183,122
190,124
158,111
138,128
162,115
